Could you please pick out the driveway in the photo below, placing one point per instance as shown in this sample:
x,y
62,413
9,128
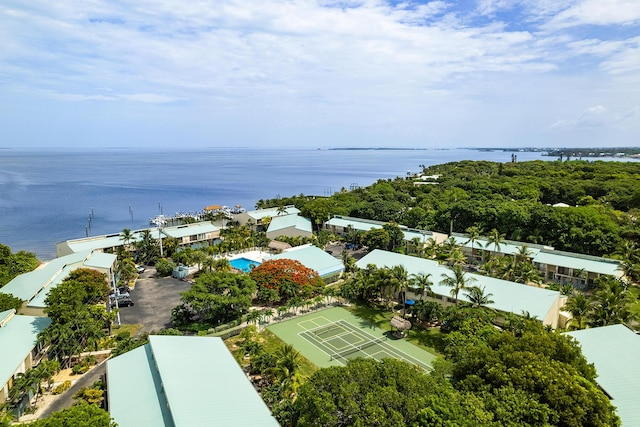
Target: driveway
x,y
154,299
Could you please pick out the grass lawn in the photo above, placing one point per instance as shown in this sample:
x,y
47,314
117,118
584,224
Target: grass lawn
x,y
429,339
132,329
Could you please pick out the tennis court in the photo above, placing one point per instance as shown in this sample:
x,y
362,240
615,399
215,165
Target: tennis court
x,y
332,337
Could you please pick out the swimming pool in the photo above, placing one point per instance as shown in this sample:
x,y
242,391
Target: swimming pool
x,y
244,264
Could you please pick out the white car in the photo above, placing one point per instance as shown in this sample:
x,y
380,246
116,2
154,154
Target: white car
x,y
140,269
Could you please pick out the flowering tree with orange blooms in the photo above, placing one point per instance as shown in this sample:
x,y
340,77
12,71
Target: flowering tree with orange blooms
x,y
279,280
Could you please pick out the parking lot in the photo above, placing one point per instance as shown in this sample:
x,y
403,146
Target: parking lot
x,y
154,299
337,248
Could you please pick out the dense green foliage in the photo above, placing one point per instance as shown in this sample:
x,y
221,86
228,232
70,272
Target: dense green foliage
x,y
523,376
515,198
387,393
215,298
82,415
7,302
79,317
12,265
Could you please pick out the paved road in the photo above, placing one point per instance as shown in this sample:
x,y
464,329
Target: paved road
x,y
65,400
154,299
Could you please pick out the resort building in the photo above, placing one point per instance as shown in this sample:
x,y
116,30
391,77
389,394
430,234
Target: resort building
x,y
182,381
554,266
193,235
327,266
188,235
18,341
289,226
342,225
614,351
508,297
33,287
260,218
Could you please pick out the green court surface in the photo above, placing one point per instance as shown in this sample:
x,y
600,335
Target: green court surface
x,y
331,337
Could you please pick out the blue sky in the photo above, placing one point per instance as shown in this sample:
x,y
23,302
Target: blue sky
x,y
325,73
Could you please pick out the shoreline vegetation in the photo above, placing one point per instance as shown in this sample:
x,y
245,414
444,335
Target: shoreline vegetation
x,y
564,153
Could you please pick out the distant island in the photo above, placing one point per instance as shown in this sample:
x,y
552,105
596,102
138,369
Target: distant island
x,y
561,153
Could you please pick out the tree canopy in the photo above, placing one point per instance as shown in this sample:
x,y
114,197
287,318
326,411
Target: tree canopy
x,y
14,264
280,280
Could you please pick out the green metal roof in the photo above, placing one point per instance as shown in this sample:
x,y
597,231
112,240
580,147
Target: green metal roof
x,y
615,352
289,221
190,229
356,223
507,247
360,224
136,396
27,285
18,337
314,258
35,285
101,260
272,212
94,243
194,381
509,297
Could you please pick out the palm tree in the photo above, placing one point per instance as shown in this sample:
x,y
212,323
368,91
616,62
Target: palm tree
x,y
523,254
611,303
286,371
282,210
267,314
421,282
457,282
456,257
126,236
221,264
431,248
495,238
478,297
253,316
579,307
473,233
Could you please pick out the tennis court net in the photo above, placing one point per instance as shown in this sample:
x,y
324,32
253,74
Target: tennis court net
x,y
325,329
355,348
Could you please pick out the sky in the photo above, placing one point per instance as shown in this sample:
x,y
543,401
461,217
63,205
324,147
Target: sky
x,y
319,74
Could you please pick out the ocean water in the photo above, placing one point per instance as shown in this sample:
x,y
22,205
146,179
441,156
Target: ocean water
x,y
49,196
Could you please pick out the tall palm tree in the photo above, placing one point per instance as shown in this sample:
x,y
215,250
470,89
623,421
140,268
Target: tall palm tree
x,y
126,236
579,307
611,303
474,233
457,281
495,238
431,248
253,316
422,282
400,280
478,297
523,254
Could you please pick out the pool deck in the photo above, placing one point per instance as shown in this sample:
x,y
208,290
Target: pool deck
x,y
257,256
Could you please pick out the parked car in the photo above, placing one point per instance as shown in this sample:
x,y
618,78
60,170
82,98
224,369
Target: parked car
x,y
119,296
122,302
124,289
140,269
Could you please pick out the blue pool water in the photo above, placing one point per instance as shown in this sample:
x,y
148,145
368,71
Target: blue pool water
x,y
244,264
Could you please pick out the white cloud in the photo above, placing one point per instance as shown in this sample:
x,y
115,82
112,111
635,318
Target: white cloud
x,y
347,64
597,12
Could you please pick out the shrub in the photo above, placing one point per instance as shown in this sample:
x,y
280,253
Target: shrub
x,y
165,267
61,388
